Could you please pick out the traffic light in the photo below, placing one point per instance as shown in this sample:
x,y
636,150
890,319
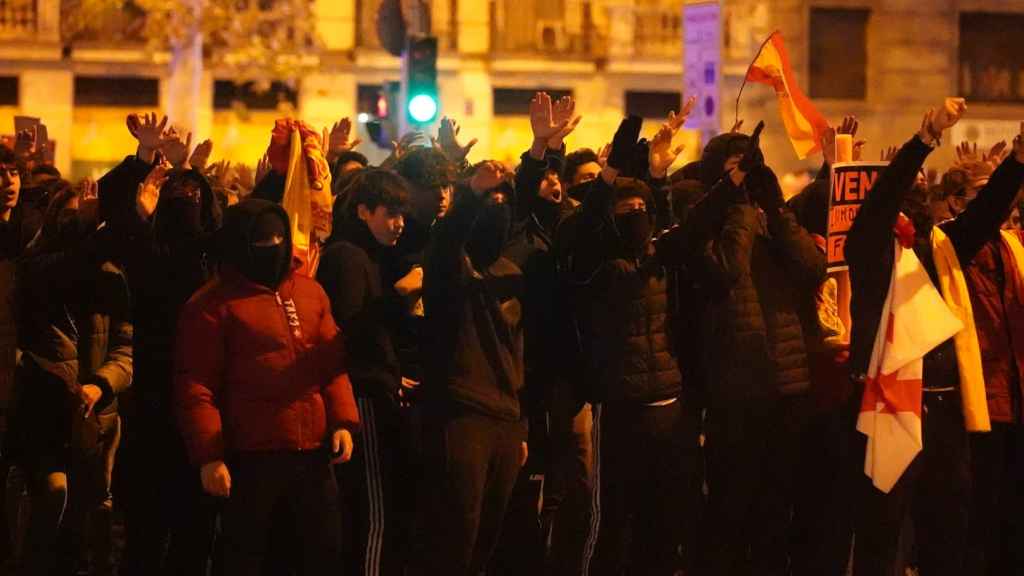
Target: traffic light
x,y
421,103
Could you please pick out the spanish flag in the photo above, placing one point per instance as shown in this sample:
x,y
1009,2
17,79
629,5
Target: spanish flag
x,y
804,124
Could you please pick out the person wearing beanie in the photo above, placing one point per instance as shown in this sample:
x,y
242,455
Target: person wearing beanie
x,y
262,394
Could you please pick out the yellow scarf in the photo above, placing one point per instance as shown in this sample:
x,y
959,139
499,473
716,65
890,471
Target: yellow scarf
x,y
954,290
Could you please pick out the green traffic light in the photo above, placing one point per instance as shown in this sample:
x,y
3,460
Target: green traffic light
x,y
422,108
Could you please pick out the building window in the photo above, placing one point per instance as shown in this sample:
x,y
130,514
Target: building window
x,y
516,101
228,94
990,49
8,90
652,104
838,53
119,91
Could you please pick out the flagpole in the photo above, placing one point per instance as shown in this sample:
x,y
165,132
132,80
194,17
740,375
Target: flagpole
x,y
736,120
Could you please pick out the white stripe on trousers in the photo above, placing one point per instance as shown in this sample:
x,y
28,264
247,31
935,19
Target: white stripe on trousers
x,y
595,492
374,490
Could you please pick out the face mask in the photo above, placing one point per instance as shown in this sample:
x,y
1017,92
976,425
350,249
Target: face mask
x,y
180,218
268,265
489,235
634,229
579,191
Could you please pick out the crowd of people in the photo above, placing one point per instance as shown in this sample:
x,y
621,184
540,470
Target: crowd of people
x,y
379,392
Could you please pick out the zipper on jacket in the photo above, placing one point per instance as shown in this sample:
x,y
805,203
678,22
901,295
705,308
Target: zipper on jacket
x,y
291,322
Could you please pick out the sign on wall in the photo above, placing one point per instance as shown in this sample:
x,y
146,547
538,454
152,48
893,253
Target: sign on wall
x,y
702,70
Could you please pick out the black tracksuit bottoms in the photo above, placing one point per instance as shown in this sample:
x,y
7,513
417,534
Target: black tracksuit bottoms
x,y
471,463
645,489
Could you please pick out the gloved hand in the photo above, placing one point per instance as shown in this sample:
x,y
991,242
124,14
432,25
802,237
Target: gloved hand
x,y
763,186
753,156
624,143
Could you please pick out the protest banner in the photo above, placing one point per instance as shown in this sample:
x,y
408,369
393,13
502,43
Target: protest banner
x,y
851,183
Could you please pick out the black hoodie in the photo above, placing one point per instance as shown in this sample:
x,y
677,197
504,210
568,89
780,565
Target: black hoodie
x,y
367,308
474,333
165,268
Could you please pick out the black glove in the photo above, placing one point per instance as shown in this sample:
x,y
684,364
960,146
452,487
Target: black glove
x,y
753,156
763,186
624,143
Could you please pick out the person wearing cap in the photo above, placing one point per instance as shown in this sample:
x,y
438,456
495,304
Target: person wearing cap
x,y
262,394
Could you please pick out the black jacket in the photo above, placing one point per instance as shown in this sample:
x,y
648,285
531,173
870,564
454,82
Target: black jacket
x,y
367,309
870,249
755,273
625,311
473,340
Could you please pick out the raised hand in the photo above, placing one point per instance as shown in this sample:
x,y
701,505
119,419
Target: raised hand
x,y
262,169
542,118
676,121
149,132
661,154
851,125
338,139
1018,145
828,145
402,145
447,140
175,149
201,155
602,154
563,113
25,143
997,153
148,195
487,176
947,115
965,152
889,153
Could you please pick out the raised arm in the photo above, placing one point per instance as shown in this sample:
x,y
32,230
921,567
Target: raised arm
x,y
983,217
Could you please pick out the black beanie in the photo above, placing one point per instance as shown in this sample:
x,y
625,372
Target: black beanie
x,y
716,152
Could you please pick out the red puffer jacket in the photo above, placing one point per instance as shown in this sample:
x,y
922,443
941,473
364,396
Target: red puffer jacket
x,y
250,377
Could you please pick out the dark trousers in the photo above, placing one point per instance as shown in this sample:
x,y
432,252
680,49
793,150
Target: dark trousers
x,y
169,521
754,473
472,462
997,506
935,491
67,523
378,491
302,482
645,488
568,484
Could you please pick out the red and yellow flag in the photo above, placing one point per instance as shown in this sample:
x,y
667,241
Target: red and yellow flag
x,y
804,124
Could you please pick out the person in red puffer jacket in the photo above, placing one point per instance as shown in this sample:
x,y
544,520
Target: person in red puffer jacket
x,y
262,395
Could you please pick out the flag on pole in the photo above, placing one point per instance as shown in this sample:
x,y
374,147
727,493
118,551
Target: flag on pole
x,y
915,319
804,124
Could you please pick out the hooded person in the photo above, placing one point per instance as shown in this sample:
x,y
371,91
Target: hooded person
x,y
265,421
474,421
368,223
644,427
169,260
756,269
75,333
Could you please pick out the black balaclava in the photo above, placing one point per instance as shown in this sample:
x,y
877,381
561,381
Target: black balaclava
x,y
716,152
634,229
267,265
546,212
489,234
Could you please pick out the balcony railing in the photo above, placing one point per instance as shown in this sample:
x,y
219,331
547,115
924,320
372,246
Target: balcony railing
x,y
18,19
549,28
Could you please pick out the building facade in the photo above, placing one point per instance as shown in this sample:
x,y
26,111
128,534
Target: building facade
x,y
882,60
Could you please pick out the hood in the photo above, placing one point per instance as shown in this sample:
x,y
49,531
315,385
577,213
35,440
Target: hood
x,y
209,208
716,152
235,236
